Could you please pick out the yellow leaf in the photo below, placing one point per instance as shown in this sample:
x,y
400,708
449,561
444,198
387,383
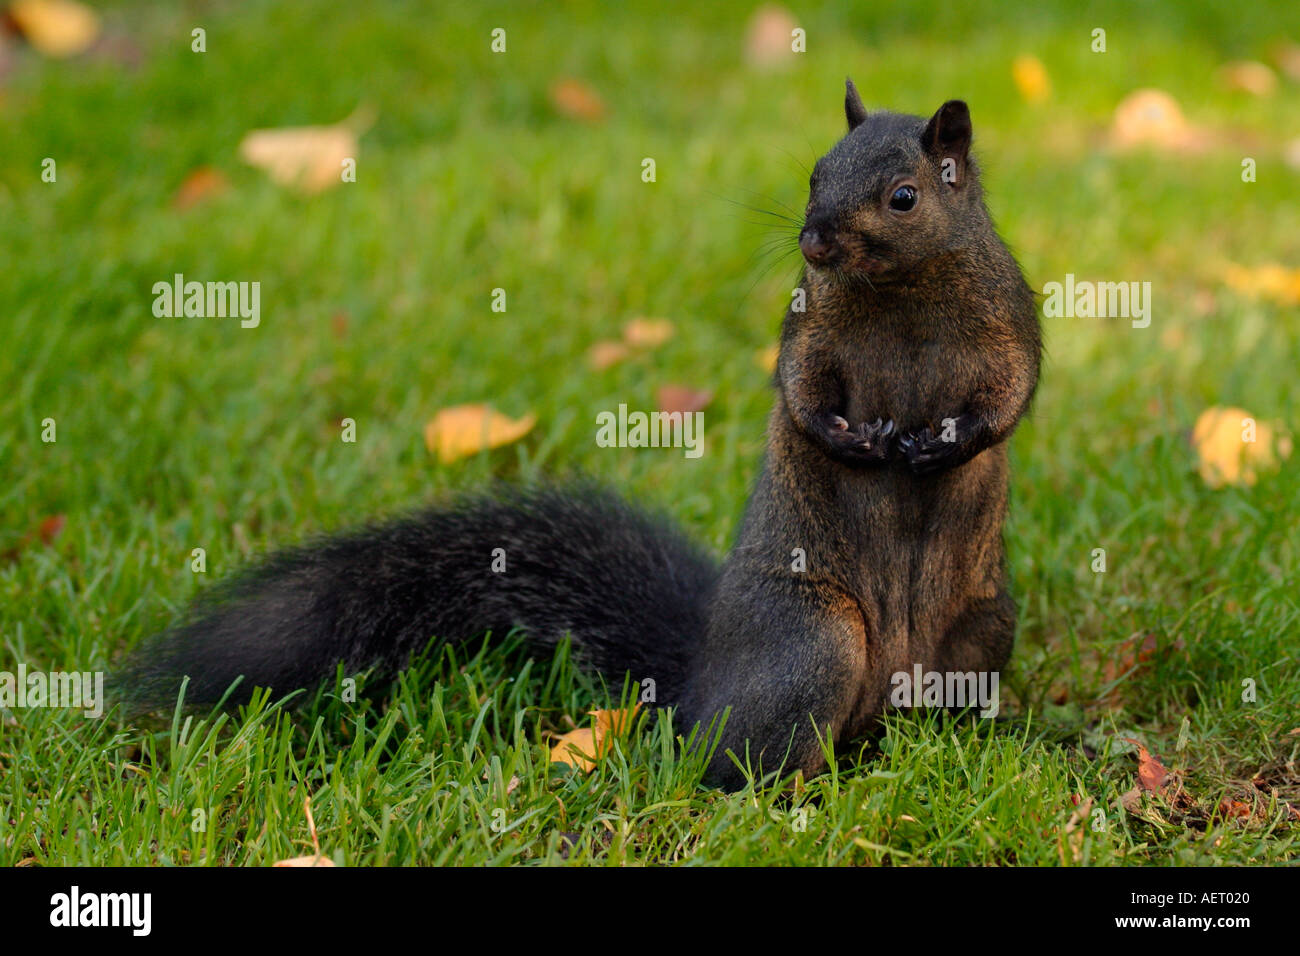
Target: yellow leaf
x,y
59,28
581,748
307,158
468,429
1150,118
765,358
1031,79
1269,281
1221,438
645,333
305,861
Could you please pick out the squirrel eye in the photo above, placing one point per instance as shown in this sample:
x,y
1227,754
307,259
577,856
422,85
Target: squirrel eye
x,y
904,198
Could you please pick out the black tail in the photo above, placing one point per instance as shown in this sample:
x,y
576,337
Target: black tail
x,y
628,587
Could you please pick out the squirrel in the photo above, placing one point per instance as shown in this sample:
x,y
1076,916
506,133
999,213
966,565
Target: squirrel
x,y
871,543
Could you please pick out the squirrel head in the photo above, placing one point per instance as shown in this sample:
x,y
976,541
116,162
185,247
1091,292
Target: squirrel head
x,y
896,191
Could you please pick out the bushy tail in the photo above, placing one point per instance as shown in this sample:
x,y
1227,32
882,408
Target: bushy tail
x,y
628,587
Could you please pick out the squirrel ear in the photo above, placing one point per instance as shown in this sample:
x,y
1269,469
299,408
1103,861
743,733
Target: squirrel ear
x,y
854,111
947,139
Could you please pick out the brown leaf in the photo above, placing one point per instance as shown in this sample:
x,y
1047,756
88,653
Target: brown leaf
x,y
468,429
643,333
1248,76
576,100
769,38
339,325
202,183
603,355
51,527
57,28
680,398
1152,774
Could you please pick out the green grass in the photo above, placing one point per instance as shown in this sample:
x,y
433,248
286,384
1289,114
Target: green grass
x,y
182,433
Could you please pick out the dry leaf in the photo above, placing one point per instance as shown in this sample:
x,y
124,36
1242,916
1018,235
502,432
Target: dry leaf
x,y
645,333
765,358
604,354
576,100
1270,281
339,325
202,183
1152,118
581,748
1075,828
50,528
305,861
1152,774
1248,76
1031,79
1225,458
307,158
468,429
1287,58
680,398
317,858
58,28
769,38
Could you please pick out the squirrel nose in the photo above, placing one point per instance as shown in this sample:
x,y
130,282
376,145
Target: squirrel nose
x,y
816,248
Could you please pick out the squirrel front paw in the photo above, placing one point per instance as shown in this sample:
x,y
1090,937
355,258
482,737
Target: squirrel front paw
x,y
927,453
870,443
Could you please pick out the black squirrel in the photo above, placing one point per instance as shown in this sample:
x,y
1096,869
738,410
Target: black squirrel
x,y
872,541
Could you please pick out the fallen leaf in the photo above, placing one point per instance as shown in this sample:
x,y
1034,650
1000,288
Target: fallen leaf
x,y
305,861
1287,58
1231,809
765,358
317,858
1152,118
1291,153
306,158
1271,281
1225,457
1152,774
604,354
1031,79
1248,76
468,429
202,183
645,333
57,28
680,398
769,38
581,748
51,527
576,100
339,325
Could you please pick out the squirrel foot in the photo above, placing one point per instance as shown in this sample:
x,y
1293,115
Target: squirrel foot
x,y
927,453
870,443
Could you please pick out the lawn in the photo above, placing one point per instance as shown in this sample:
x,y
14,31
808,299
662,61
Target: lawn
x,y
376,305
